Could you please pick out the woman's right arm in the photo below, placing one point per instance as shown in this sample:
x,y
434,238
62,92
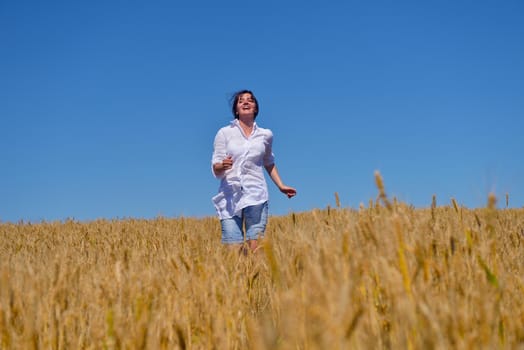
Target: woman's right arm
x,y
220,168
221,161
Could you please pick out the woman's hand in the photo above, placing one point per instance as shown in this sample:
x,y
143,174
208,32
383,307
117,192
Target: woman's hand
x,y
220,168
288,191
227,163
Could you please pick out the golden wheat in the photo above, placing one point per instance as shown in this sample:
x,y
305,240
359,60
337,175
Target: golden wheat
x,y
383,276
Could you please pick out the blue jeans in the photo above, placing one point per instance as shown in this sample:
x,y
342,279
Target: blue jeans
x,y
255,219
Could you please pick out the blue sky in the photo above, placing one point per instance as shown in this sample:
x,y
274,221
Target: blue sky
x,y
109,108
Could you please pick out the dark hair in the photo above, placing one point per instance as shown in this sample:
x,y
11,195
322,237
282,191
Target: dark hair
x,y
236,97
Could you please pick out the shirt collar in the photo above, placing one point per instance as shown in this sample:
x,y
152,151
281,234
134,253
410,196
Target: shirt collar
x,y
236,122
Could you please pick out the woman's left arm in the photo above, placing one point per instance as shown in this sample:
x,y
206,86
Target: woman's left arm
x,y
273,173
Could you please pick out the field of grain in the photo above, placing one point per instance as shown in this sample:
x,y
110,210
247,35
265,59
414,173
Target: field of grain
x,y
383,276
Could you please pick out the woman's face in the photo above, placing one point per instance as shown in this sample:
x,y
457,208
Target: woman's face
x,y
246,106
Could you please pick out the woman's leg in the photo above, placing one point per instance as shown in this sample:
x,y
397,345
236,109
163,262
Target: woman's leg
x,y
256,220
232,234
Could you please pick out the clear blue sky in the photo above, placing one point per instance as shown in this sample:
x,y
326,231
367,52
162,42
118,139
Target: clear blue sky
x,y
108,109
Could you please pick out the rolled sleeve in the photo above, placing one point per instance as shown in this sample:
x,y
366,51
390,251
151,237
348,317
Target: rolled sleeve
x,y
219,151
269,157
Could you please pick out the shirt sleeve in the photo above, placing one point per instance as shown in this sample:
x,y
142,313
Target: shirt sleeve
x,y
269,157
219,150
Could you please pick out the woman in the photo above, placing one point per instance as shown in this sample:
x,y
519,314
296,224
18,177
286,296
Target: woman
x,y
241,151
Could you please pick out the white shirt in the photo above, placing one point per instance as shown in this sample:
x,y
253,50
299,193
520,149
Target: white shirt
x,y
244,184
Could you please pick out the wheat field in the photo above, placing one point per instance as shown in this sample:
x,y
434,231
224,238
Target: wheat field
x,y
383,276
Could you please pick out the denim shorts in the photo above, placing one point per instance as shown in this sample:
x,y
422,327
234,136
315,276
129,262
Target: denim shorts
x,y
255,219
